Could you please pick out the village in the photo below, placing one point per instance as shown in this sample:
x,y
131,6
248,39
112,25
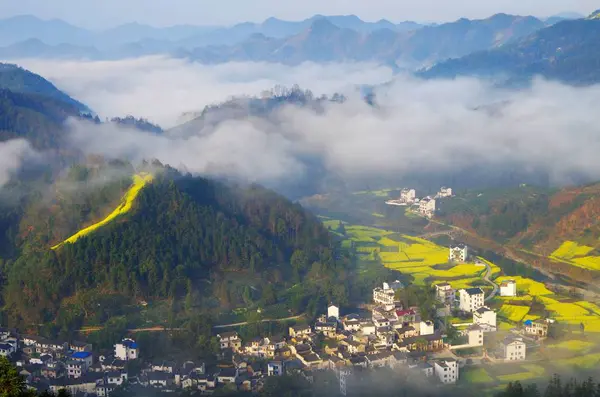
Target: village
x,y
387,334
425,206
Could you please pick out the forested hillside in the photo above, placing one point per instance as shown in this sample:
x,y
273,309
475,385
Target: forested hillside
x,y
34,117
19,80
185,237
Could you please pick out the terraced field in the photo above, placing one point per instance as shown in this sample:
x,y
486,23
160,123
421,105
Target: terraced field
x,y
577,255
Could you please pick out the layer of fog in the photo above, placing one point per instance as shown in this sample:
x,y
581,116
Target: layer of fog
x,y
13,154
161,89
418,128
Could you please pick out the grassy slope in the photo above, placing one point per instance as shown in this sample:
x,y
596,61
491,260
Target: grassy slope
x,y
139,181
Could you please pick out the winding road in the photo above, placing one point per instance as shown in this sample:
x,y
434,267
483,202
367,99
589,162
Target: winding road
x,y
486,278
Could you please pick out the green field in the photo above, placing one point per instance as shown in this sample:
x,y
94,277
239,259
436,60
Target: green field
x,y
477,375
139,181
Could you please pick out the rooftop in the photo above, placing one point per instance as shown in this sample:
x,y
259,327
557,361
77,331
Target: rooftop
x,y
474,291
81,355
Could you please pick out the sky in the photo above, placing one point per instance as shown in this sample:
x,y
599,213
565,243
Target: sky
x,y
96,14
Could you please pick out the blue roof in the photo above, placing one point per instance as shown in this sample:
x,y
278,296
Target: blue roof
x,y
528,322
130,344
81,355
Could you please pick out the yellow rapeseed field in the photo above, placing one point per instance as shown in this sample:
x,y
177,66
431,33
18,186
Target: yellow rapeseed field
x,y
139,181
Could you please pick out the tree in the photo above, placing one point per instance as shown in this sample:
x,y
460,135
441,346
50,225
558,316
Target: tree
x,y
11,383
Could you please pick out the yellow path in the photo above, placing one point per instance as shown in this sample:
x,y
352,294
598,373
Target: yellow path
x,y
139,181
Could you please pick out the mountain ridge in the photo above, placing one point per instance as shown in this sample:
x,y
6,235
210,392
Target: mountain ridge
x,y
565,51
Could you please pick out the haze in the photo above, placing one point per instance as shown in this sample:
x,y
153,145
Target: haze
x,y
108,13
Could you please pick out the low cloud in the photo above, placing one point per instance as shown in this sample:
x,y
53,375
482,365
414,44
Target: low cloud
x,y
423,127
13,154
161,89
453,127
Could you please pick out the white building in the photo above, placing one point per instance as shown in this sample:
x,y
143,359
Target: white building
x,y
333,311
276,368
446,370
408,195
445,293
386,296
475,335
427,207
458,253
485,317
508,288
514,349
229,340
126,350
444,192
471,299
426,328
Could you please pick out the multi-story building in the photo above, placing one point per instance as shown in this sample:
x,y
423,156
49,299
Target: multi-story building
x,y
444,192
471,299
276,368
485,317
537,327
514,349
458,253
427,207
126,350
408,195
386,296
475,335
508,288
229,340
445,293
446,370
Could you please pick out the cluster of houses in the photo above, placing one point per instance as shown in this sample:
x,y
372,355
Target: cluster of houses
x,y
389,336
52,365
425,206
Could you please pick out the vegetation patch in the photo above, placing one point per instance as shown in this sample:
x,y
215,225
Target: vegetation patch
x,y
139,181
513,313
477,375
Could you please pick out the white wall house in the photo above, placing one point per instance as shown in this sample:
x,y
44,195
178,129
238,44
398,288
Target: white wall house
x,y
458,253
445,192
408,195
475,335
514,349
445,293
446,370
508,288
427,207
485,317
426,328
384,297
333,311
471,299
126,350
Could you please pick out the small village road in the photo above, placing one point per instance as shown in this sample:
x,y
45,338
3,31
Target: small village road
x,y
486,278
266,320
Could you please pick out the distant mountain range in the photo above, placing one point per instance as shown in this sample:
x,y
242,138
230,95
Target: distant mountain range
x,y
318,39
55,32
567,51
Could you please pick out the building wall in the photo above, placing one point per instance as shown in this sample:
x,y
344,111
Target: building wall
x,y
515,351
